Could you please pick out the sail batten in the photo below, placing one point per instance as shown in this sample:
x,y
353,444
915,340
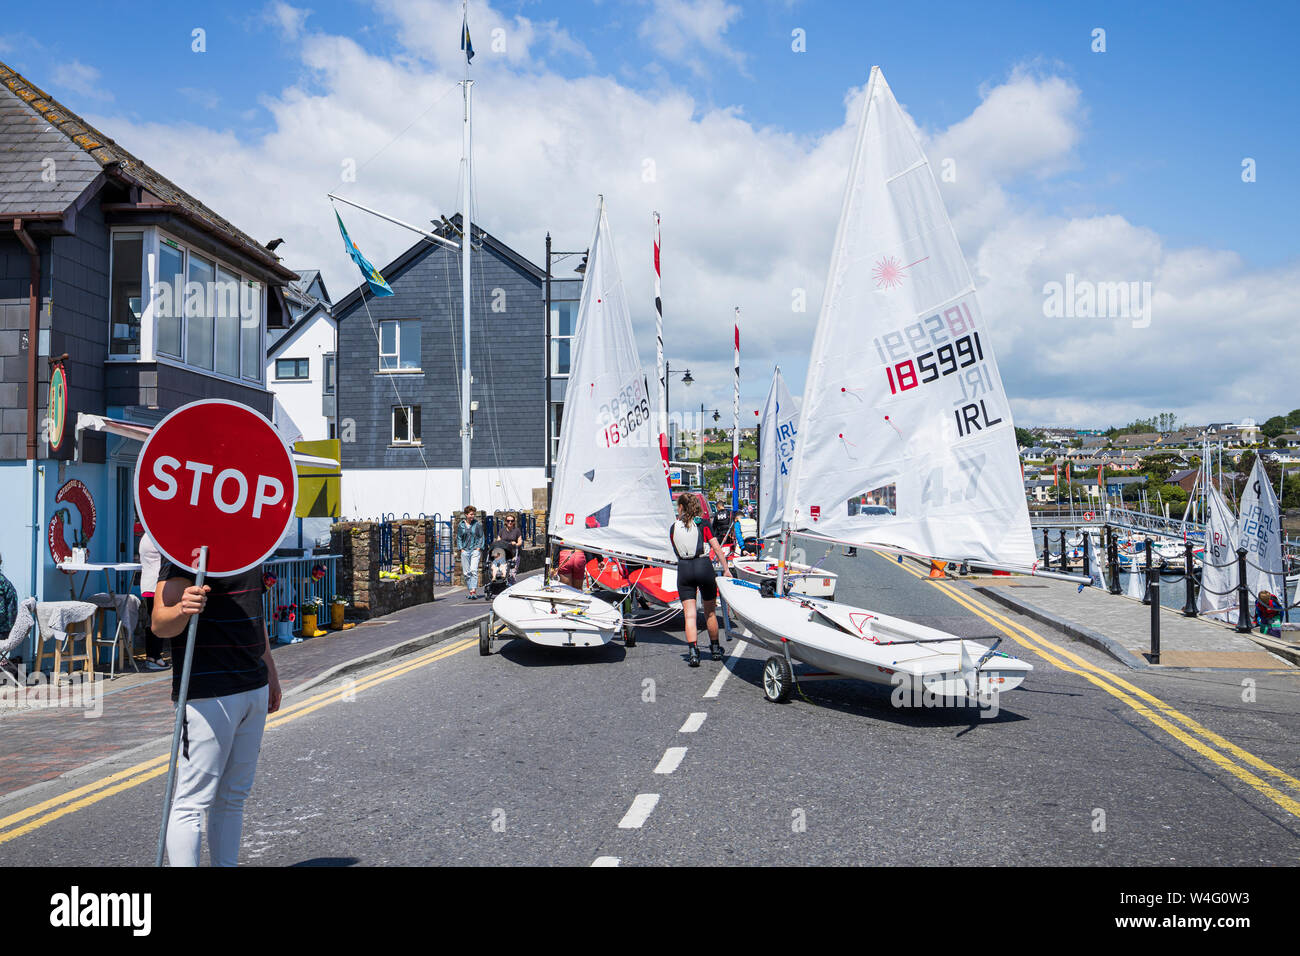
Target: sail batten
x,y
905,434
610,493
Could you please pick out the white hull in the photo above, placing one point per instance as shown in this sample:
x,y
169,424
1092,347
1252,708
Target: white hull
x,y
803,578
948,668
556,616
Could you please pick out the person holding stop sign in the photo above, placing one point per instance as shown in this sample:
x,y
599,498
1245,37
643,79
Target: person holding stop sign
x,y
215,489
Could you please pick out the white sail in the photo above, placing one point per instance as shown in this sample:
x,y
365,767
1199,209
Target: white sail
x,y
1218,596
1259,529
904,406
609,490
780,428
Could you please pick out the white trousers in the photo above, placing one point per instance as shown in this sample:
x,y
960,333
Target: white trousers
x,y
224,739
469,567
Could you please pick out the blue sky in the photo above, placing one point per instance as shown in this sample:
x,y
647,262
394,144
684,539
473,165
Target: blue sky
x,y
1125,165
1181,95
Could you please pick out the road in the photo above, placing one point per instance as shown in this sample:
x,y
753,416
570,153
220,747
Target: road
x,y
628,756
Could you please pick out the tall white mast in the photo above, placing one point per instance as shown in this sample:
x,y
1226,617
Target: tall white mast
x,y
735,422
466,432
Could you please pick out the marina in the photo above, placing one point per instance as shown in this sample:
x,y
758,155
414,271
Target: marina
x,y
484,434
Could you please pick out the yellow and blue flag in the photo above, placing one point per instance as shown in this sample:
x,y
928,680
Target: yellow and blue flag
x,y
464,40
378,285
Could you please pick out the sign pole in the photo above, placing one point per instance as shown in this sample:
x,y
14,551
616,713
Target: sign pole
x,y
181,699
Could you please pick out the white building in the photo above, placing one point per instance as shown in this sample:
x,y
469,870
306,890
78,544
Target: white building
x,y
300,371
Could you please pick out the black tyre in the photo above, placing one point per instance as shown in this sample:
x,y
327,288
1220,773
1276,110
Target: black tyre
x,y
629,635
777,679
484,638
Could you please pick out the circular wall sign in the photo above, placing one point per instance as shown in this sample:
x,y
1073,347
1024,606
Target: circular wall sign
x,y
58,413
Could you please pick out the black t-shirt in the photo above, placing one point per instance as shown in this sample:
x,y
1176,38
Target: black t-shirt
x,y
231,636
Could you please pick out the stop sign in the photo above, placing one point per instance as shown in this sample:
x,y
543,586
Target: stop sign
x,y
215,473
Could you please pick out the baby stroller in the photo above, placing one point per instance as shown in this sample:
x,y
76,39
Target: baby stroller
x,y
503,564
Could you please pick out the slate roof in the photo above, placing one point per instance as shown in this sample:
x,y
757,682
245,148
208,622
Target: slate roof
x,y
35,127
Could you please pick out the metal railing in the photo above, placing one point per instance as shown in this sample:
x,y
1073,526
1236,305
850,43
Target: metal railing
x,y
298,581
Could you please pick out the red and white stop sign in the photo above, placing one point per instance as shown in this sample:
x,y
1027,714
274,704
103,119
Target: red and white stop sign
x,y
215,473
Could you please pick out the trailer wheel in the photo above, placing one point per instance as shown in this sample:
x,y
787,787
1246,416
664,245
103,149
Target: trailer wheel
x,y
629,634
777,679
484,638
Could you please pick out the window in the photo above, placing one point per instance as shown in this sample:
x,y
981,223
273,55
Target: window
x,y
564,316
327,386
292,368
399,345
128,266
198,312
170,300
406,424
226,320
250,331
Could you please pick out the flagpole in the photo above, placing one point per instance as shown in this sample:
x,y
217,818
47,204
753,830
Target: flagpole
x,y
466,379
735,429
659,339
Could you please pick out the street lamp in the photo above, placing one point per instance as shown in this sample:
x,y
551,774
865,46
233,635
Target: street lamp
x,y
668,378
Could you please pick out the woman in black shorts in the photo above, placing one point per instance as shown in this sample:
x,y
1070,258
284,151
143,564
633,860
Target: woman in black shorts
x,y
691,540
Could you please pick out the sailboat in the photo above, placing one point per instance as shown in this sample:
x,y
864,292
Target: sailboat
x,y
778,433
903,404
610,497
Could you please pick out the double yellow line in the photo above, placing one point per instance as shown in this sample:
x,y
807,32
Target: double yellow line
x,y
38,815
1277,785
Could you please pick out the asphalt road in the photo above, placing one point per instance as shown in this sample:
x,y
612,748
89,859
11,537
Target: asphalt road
x,y
533,756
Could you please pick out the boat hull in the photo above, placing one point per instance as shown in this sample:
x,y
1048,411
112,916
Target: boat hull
x,y
946,666
556,616
803,579
658,586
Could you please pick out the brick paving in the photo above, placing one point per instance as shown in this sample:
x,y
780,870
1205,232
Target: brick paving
x,y
43,743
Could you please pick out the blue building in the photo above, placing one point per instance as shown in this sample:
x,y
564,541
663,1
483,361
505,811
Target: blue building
x,y
135,292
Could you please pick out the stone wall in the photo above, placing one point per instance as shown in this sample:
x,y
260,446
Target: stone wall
x,y
357,542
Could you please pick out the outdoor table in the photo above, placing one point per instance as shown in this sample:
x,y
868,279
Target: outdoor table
x,y
88,568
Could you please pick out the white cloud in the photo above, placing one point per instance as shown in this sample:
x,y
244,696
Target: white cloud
x,y
80,78
691,31
289,19
749,215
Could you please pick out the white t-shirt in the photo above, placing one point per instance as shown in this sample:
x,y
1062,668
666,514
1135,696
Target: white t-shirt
x,y
150,562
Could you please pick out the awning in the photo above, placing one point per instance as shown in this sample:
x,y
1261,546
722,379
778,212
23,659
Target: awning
x,y
139,432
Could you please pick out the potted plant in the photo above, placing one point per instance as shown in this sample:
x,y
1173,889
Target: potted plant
x,y
312,612
338,607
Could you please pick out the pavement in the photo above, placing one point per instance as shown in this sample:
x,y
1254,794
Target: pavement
x,y
43,742
1121,626
626,756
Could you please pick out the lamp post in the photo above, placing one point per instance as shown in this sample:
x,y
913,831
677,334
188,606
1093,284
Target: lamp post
x,y
668,376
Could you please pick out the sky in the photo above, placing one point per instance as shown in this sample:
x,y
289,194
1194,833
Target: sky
x,y
1074,157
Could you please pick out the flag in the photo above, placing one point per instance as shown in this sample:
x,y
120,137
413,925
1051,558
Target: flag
x,y
377,283
465,43
1056,475
1068,479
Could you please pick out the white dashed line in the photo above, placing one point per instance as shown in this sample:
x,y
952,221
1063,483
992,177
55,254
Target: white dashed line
x,y
721,679
693,723
672,758
639,811
606,861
